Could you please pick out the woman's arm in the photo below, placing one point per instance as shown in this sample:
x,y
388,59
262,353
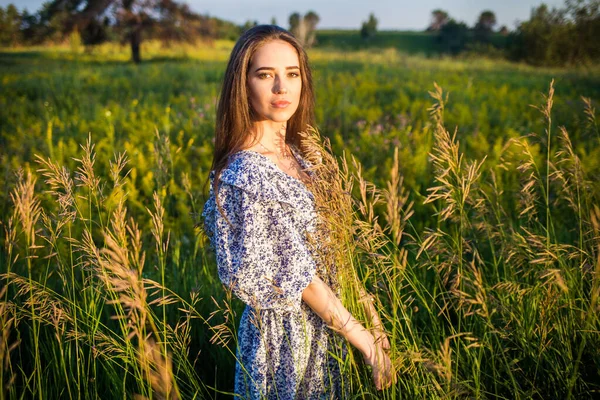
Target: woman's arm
x,y
378,330
323,301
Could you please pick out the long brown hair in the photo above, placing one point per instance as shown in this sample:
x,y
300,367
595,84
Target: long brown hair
x,y
234,117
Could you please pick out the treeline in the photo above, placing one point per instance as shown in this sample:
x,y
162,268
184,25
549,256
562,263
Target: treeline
x,y
92,22
569,35
98,21
456,36
557,36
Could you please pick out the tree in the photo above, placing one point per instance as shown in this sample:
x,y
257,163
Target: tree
x,y
439,18
487,20
29,23
96,31
559,36
586,18
304,28
484,26
175,22
166,20
369,27
294,21
311,19
10,25
533,39
247,25
453,36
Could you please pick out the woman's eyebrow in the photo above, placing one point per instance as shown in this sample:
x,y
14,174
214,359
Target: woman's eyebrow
x,y
273,69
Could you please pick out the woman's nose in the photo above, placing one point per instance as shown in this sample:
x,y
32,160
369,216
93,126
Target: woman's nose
x,y
280,87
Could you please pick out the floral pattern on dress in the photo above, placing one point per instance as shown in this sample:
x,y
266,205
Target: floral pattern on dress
x,y
285,350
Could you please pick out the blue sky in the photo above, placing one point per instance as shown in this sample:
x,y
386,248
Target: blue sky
x,y
392,14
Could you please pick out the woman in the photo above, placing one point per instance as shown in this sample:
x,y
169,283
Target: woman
x,y
258,216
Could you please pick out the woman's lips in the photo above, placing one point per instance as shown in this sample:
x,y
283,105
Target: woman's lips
x,y
280,104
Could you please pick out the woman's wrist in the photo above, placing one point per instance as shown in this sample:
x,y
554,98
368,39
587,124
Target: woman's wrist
x,y
366,345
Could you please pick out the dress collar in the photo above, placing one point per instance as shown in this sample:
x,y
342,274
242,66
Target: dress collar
x,y
260,176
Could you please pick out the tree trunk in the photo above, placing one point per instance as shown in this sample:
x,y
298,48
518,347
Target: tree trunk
x,y
136,41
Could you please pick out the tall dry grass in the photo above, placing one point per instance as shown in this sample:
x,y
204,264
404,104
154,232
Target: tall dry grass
x,y
497,297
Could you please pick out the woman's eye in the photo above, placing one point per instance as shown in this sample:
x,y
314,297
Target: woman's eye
x,y
264,75
294,74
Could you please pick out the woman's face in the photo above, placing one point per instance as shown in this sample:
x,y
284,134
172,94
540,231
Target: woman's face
x,y
274,81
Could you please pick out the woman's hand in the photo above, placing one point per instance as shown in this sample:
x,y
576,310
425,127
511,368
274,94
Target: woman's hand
x,y
384,374
381,337
378,330
326,305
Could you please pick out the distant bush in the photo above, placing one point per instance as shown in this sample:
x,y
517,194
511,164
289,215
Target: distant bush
x,y
454,36
369,27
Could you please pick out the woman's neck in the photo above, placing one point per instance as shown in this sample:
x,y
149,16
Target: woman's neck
x,y
271,135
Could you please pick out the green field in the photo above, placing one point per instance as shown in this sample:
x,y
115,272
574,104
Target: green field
x,y
489,283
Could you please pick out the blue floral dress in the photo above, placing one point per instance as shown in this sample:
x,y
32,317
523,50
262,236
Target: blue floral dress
x,y
285,350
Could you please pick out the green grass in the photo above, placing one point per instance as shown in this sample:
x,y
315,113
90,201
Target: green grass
x,y
489,283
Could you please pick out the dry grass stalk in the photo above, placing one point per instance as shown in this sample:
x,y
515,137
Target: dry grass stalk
x,y
85,175
512,289
225,331
114,268
53,231
490,216
350,232
61,186
398,209
182,332
157,225
10,239
528,196
160,370
554,276
332,189
349,239
119,267
27,207
162,153
590,112
456,178
546,109
48,305
116,169
473,297
8,321
526,247
444,355
570,175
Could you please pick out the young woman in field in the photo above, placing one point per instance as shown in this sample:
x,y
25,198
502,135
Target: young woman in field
x,y
258,216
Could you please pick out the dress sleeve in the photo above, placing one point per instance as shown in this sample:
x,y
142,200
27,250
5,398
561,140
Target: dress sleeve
x,y
262,256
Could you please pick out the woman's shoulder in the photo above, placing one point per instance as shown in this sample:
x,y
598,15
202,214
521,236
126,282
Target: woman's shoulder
x,y
245,170
255,174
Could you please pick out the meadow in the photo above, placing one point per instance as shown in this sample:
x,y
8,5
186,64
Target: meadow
x,y
473,218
